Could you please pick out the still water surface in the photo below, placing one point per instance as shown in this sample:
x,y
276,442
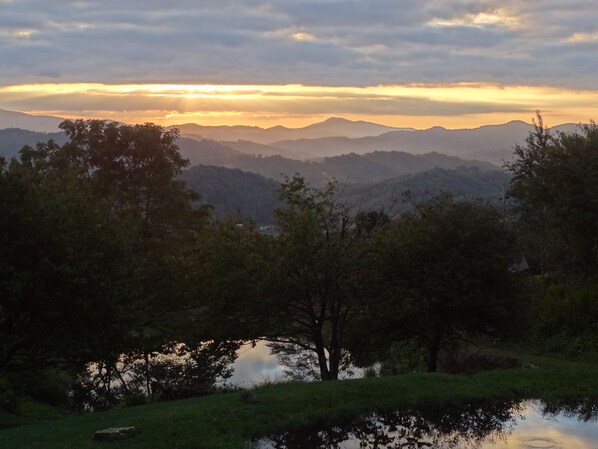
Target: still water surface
x,y
255,365
510,425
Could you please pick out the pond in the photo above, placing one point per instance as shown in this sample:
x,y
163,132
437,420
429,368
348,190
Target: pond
x,y
504,425
255,365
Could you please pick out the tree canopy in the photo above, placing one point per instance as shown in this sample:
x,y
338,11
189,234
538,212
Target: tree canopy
x,y
315,280
555,181
443,274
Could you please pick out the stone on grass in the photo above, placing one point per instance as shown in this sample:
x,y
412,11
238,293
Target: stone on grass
x,y
114,434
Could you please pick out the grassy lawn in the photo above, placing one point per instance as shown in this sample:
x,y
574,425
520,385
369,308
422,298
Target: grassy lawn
x,y
229,420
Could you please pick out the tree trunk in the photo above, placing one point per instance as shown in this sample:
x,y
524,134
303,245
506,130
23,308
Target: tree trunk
x,y
335,350
334,363
322,362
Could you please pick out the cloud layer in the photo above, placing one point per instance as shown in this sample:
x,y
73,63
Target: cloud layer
x,y
312,42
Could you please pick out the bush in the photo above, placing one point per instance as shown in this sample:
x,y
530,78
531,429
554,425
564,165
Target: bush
x,y
46,386
135,398
8,397
475,362
567,318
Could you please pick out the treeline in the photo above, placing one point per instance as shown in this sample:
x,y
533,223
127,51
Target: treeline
x,y
114,278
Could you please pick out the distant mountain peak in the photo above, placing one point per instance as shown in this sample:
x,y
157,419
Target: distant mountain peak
x,y
331,127
339,120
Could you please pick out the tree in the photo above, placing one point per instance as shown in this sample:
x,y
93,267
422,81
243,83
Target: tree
x,y
230,273
97,238
64,287
555,181
443,274
315,277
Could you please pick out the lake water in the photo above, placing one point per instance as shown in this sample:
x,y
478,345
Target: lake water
x,y
256,365
510,425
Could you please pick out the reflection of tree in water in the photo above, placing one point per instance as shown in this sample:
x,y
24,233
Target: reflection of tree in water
x,y
432,428
582,409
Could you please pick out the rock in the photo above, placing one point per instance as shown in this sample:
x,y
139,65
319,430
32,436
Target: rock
x,y
115,434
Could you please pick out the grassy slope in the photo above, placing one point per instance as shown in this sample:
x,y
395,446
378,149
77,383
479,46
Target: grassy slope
x,y
227,420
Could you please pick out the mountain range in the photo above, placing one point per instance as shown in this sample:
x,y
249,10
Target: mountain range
x,y
347,168
374,164
334,137
330,127
234,192
492,143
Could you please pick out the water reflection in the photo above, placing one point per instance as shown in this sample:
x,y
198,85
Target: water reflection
x,y
255,364
505,425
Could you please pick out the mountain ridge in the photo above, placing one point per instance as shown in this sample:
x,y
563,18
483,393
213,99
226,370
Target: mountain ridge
x,y
332,126
29,122
491,143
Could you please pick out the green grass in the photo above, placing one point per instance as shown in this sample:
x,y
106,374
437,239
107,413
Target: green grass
x,y
229,420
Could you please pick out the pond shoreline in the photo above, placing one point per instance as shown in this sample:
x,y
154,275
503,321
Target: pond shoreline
x,y
229,420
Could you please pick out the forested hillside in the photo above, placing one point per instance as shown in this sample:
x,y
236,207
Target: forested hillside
x,y
462,182
234,192
352,168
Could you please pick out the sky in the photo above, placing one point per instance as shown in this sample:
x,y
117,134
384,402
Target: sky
x,y
453,63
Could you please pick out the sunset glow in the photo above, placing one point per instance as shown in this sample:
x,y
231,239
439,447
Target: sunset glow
x,y
457,105
453,63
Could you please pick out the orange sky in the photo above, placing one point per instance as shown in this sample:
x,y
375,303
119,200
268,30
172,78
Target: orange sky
x,y
457,105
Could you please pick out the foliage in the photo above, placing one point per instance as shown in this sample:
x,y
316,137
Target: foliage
x,y
461,182
566,317
64,284
316,274
97,241
174,371
555,180
13,139
230,267
474,362
444,274
234,192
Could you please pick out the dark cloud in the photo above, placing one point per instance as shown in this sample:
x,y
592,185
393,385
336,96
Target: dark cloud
x,y
331,42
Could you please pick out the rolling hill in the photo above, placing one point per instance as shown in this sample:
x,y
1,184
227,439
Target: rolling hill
x,y
352,168
465,182
232,191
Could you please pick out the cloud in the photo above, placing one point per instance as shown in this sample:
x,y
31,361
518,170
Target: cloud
x,y
440,100
318,42
285,58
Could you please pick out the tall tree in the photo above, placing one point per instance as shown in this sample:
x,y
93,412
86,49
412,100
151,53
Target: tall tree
x,y
556,184
123,179
316,275
65,287
443,274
